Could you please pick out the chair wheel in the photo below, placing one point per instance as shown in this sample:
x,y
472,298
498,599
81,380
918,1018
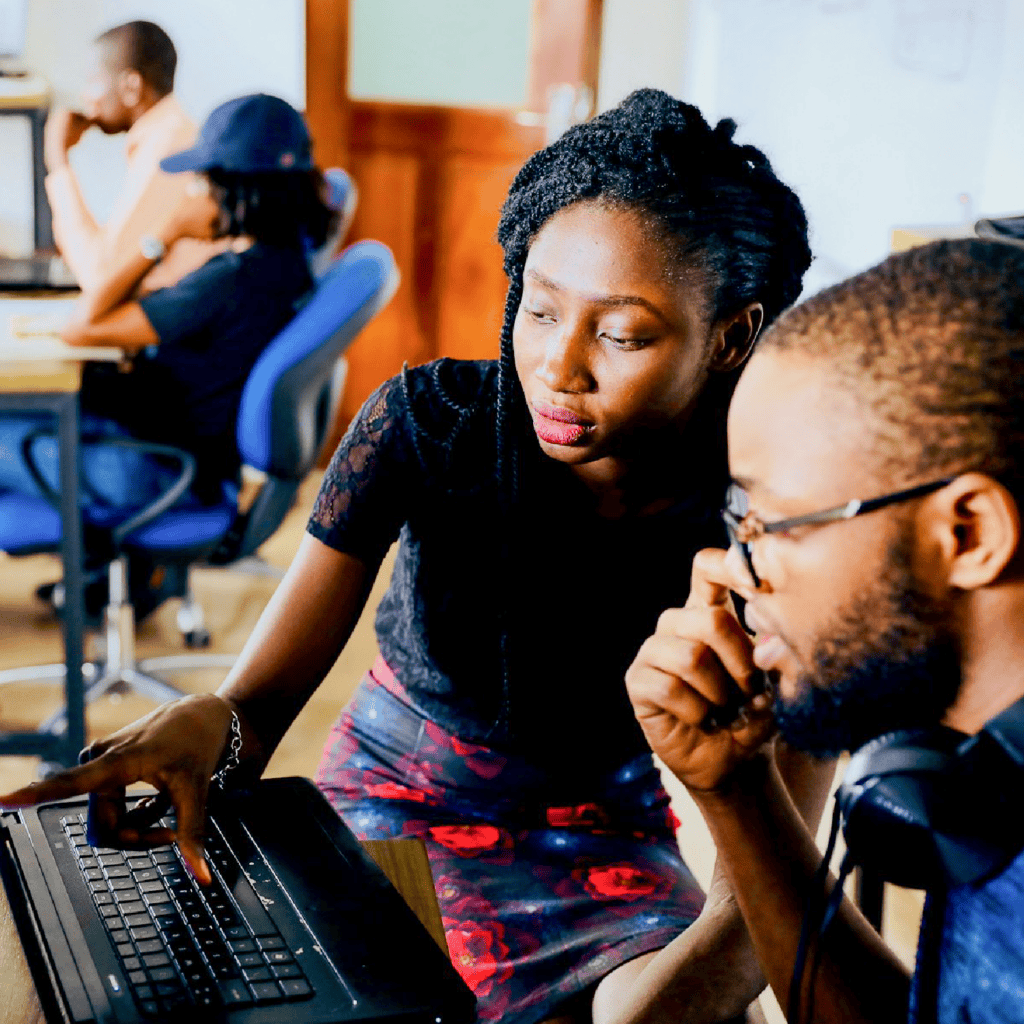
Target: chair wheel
x,y
197,638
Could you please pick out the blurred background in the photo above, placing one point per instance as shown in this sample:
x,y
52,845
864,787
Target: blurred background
x,y
883,114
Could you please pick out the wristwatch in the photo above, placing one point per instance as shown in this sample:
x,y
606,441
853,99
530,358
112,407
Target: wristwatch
x,y
152,248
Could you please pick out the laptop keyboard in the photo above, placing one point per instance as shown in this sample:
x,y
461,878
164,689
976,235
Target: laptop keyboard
x,y
182,944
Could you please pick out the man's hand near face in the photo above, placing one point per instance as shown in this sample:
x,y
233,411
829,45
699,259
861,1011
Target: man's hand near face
x,y
64,130
695,663
761,801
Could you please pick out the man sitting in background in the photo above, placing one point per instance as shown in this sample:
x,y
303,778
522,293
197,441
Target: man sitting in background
x,y
876,438
129,90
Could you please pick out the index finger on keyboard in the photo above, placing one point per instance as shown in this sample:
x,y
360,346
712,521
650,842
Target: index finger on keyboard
x,y
73,782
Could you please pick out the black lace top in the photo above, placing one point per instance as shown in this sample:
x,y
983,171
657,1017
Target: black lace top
x,y
576,593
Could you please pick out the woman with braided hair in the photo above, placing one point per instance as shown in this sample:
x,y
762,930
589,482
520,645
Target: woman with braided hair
x,y
548,505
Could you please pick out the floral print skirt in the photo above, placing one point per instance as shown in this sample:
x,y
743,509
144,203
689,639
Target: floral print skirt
x,y
539,900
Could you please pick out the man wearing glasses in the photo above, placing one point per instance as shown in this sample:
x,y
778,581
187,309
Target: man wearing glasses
x,y
876,443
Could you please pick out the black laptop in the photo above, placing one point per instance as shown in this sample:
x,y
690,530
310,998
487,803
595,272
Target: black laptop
x,y
299,925
35,274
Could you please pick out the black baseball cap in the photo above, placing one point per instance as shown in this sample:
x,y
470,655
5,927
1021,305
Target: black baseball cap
x,y
249,134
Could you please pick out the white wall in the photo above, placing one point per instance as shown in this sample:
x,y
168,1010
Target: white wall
x,y
880,113
225,48
643,43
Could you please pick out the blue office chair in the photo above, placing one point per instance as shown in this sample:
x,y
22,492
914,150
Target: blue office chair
x,y
287,407
342,196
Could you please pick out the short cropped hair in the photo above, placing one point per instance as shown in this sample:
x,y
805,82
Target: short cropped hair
x,y
931,342
145,48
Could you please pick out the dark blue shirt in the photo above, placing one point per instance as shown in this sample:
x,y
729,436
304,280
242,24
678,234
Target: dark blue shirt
x,y
213,325
576,593
971,956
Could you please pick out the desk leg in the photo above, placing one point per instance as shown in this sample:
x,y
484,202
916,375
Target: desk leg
x,y
74,599
43,219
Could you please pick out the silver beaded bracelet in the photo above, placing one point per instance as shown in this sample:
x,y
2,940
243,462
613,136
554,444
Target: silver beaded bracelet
x,y
234,750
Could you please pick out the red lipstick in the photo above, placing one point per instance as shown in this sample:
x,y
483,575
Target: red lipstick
x,y
558,425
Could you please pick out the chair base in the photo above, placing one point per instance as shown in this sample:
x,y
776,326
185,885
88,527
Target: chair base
x,y
120,669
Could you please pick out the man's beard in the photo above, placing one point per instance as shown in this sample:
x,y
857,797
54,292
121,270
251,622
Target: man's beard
x,y
891,661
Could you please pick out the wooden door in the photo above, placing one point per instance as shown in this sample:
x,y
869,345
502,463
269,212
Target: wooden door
x,y
431,182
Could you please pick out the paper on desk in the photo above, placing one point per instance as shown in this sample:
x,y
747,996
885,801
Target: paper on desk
x,y
43,348
35,325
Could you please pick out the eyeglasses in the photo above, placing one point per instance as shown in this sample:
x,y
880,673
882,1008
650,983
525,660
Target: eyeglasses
x,y
744,527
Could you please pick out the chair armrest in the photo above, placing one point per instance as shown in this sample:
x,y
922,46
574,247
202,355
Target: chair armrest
x,y
186,474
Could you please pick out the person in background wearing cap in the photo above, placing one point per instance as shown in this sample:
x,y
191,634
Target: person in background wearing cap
x,y
195,342
127,91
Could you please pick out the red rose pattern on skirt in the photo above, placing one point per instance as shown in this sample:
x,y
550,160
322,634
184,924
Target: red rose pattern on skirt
x,y
538,902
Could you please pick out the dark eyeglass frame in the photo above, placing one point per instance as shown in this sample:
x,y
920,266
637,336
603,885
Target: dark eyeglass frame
x,y
756,527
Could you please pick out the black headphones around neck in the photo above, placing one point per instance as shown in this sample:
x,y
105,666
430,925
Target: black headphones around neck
x,y
923,809
934,808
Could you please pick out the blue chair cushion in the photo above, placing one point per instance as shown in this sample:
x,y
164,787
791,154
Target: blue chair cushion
x,y
182,528
27,524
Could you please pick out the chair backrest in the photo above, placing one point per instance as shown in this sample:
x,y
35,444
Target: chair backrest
x,y
284,412
291,395
342,196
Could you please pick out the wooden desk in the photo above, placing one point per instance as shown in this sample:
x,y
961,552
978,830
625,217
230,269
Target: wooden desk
x,y
404,861
32,379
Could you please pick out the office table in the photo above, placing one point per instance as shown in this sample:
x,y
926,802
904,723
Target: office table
x,y
404,861
44,375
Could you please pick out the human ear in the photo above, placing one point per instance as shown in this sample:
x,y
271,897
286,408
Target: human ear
x,y
734,336
981,530
129,86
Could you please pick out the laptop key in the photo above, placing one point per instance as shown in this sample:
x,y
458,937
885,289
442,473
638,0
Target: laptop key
x,y
150,946
286,971
156,960
235,993
265,992
221,965
164,976
296,988
150,1007
254,974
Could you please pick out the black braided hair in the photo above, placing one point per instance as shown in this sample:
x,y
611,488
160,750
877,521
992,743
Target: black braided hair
x,y
719,202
